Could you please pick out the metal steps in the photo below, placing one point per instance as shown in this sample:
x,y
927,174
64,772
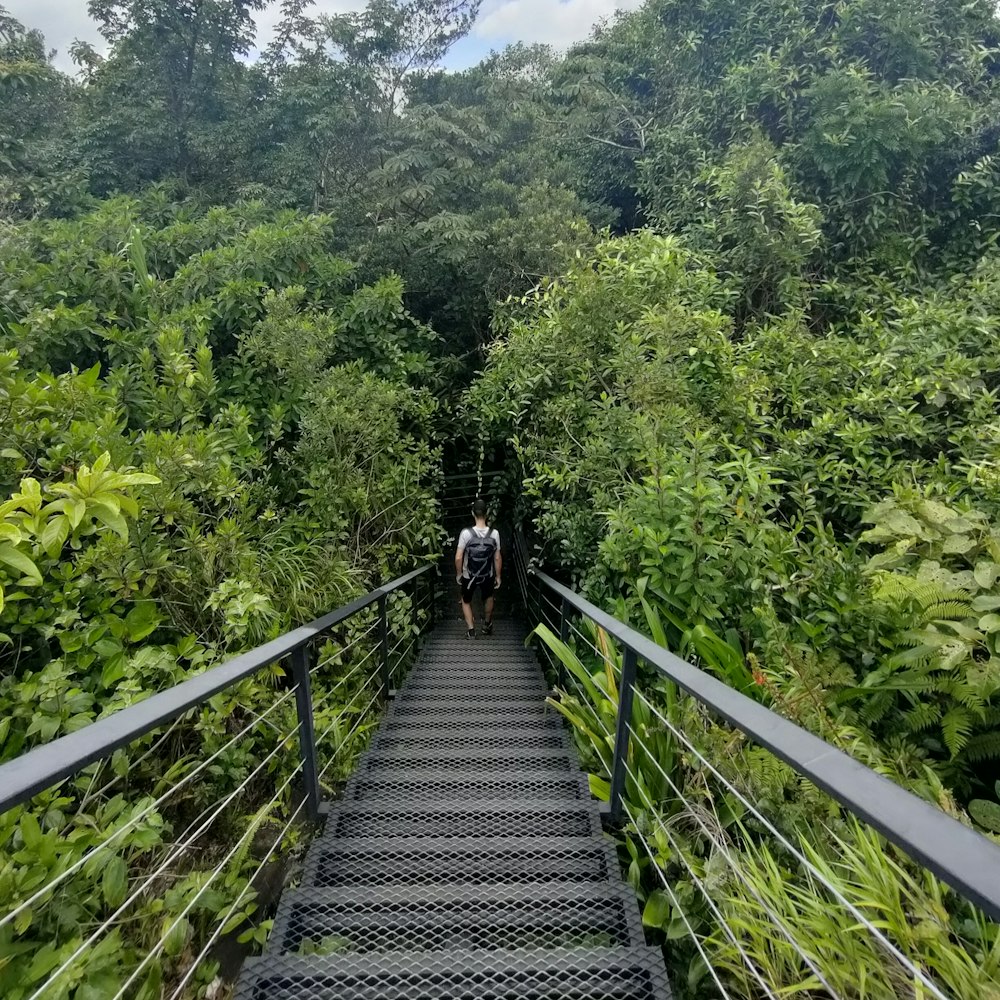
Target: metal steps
x,y
465,860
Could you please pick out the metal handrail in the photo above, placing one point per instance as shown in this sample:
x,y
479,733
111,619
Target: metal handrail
x,y
958,855
47,765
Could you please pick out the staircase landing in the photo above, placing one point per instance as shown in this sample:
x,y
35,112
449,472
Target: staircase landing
x,y
466,859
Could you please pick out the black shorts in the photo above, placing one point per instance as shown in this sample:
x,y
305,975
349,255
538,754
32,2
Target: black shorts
x,y
485,587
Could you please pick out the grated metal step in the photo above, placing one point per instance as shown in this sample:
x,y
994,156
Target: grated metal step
x,y
565,974
404,861
472,758
477,682
405,712
495,818
406,725
338,921
432,784
473,697
471,741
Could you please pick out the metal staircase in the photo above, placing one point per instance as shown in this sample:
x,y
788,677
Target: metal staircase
x,y
466,858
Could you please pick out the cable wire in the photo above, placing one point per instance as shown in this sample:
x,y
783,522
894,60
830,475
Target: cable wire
x,y
340,652
77,865
662,825
251,830
350,733
786,843
217,933
172,855
677,906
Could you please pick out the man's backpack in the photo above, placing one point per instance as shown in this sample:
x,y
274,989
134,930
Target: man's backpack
x,y
479,557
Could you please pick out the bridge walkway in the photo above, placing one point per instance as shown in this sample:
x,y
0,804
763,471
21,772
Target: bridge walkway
x,y
466,858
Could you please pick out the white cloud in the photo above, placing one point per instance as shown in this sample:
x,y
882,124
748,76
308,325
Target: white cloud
x,y
61,21
556,22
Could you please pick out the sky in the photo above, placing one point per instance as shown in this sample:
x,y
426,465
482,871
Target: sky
x,y
555,22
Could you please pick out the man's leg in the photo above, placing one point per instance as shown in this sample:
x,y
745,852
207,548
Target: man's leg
x,y
470,618
488,604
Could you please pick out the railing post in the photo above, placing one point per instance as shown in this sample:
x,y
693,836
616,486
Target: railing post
x,y
564,613
383,628
626,689
307,733
433,610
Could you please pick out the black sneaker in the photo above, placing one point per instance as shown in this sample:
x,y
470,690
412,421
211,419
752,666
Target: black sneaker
x,y
488,628
471,634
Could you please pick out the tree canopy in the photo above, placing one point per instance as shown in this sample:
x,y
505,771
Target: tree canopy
x,y
718,287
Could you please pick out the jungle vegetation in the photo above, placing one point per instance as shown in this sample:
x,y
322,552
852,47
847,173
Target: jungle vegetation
x,y
720,287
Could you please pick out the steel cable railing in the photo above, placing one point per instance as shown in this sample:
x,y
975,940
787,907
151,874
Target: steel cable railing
x,y
136,819
575,635
151,879
720,846
773,830
350,674
650,733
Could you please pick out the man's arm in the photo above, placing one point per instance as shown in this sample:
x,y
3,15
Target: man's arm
x,y
498,563
459,560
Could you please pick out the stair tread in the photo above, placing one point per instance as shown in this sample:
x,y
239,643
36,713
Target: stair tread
x,y
516,755
634,973
459,818
421,783
488,917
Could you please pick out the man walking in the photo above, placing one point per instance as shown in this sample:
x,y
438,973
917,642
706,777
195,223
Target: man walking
x,y
478,565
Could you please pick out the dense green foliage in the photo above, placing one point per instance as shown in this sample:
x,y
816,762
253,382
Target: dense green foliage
x,y
730,271
283,415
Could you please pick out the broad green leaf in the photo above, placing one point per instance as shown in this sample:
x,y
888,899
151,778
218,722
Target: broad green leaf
x,y
17,560
600,788
113,520
114,884
138,479
152,986
54,535
990,623
45,960
958,545
175,935
23,920
657,910
114,670
75,510
986,814
141,621
31,832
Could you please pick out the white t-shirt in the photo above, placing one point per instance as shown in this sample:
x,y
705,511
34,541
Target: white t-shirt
x,y
466,537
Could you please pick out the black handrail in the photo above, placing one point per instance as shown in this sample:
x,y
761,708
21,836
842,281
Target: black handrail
x,y
958,855
45,766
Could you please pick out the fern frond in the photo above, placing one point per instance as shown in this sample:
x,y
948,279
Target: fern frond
x,y
985,746
925,715
956,727
898,588
877,707
946,611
